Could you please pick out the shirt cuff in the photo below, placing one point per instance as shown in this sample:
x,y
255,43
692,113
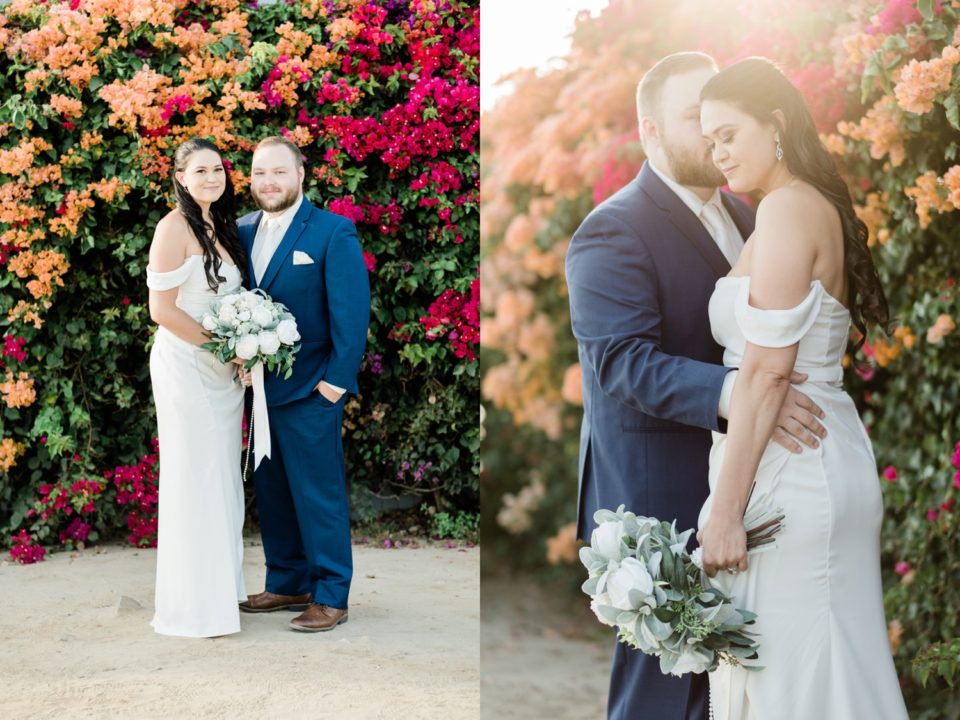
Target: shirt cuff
x,y
726,392
341,390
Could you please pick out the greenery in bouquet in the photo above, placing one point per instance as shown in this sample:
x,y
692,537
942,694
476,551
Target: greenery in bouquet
x,y
643,580
250,325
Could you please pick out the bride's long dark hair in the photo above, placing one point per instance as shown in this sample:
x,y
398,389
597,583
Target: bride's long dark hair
x,y
223,213
758,87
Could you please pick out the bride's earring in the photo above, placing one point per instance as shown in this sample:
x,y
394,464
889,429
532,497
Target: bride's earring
x,y
779,152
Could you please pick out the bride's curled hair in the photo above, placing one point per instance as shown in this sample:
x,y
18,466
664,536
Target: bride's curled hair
x,y
758,87
223,212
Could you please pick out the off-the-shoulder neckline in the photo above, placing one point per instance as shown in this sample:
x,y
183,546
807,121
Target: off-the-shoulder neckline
x,y
188,259
813,283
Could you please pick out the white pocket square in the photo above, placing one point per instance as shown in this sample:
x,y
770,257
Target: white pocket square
x,y
301,258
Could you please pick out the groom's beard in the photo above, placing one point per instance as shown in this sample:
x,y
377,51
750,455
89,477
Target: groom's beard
x,y
278,204
692,171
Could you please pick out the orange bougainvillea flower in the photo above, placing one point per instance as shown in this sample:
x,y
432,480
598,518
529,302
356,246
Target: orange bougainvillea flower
x,y
563,547
47,266
572,390
920,83
10,449
926,194
18,391
942,326
29,312
881,127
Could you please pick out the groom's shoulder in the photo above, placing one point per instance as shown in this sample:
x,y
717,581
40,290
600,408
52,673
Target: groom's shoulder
x,y
629,207
249,219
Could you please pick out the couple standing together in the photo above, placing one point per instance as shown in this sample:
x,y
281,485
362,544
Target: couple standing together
x,y
309,260
711,340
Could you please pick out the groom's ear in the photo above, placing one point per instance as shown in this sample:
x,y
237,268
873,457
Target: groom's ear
x,y
648,130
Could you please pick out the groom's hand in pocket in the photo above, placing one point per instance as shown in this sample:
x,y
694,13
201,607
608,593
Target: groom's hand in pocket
x,y
328,392
799,419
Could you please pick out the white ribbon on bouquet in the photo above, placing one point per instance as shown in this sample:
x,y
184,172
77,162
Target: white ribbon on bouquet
x,y
260,420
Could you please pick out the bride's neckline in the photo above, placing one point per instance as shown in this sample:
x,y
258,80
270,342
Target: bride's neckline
x,y
200,256
812,283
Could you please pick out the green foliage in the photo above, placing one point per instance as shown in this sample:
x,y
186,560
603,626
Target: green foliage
x,y
87,354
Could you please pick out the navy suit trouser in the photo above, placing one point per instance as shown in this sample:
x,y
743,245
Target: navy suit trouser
x,y
639,691
302,502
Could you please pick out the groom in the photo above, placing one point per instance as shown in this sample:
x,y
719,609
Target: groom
x,y
640,271
309,260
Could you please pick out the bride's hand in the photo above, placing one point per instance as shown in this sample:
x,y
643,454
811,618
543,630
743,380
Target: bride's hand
x,y
724,543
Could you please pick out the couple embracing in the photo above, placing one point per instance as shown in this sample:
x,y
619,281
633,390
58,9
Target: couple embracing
x,y
712,339
310,261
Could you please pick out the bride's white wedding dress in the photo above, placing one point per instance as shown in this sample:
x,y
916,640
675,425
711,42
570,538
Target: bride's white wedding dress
x,y
818,595
199,415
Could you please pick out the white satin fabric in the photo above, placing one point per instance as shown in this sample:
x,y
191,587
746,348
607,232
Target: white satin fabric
x,y
817,594
199,416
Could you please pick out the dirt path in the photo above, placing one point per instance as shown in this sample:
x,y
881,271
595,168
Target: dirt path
x,y
541,656
73,648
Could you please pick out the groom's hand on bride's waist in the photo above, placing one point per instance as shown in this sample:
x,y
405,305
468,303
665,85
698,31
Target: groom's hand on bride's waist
x,y
799,420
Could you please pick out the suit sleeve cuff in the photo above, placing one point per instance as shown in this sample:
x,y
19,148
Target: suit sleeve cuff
x,y
726,393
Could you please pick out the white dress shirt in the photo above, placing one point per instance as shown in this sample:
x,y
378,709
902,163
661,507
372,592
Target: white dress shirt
x,y
717,221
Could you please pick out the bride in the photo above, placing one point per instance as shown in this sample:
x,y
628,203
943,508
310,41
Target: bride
x,y
804,276
195,256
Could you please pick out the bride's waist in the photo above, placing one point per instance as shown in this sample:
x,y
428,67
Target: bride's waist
x,y
832,375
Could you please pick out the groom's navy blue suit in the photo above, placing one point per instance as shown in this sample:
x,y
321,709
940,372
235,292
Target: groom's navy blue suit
x,y
640,271
301,488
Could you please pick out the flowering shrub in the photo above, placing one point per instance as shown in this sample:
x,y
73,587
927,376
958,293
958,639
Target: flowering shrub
x,y
382,98
882,80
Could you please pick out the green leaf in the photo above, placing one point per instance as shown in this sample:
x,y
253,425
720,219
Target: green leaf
x,y
926,8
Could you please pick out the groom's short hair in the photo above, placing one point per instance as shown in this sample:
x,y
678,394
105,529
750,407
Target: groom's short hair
x,y
287,143
650,86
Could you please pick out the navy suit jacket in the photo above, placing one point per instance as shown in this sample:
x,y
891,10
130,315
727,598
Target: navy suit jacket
x,y
640,272
330,299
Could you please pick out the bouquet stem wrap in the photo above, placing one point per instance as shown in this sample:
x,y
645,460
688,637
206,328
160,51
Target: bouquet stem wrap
x,y
261,420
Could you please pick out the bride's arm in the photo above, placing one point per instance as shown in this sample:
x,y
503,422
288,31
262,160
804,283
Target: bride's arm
x,y
168,253
781,271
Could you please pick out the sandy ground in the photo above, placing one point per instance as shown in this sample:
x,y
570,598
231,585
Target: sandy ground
x,y
72,646
541,656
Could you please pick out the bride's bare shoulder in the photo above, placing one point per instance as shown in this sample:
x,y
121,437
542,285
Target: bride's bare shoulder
x,y
798,201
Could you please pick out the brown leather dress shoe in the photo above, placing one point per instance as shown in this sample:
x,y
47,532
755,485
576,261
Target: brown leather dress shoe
x,y
319,618
268,602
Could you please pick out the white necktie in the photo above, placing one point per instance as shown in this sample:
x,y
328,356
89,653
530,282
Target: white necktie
x,y
270,240
712,219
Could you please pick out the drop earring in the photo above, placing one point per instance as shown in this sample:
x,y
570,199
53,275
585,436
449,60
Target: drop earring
x,y
779,152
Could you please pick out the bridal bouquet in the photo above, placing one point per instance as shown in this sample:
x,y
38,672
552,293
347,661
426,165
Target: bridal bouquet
x,y
251,326
260,331
643,581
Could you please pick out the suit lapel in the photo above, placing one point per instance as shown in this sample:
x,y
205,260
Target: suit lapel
x,y
286,245
683,220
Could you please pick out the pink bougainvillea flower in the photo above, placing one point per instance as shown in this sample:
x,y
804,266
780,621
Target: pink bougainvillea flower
x,y
902,568
890,473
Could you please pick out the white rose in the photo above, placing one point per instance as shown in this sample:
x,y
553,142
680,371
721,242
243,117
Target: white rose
x,y
631,575
606,540
287,331
227,313
269,342
250,299
247,346
209,322
261,316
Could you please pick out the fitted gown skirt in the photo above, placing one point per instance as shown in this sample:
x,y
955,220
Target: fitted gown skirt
x,y
200,542
818,594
